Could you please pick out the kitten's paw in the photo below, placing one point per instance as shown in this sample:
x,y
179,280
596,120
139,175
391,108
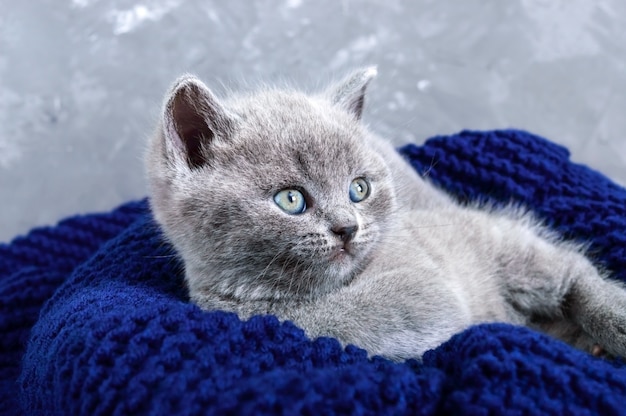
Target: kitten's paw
x,y
599,308
608,328
598,351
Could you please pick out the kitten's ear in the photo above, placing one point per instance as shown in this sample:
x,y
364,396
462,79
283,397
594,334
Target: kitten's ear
x,y
193,118
350,93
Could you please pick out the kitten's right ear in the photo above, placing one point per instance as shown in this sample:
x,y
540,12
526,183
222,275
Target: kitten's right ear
x,y
349,94
193,118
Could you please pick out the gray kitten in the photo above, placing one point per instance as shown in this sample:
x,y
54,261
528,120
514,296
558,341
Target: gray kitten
x,y
284,203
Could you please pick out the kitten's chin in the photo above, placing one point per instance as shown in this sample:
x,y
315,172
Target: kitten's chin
x,y
340,274
344,264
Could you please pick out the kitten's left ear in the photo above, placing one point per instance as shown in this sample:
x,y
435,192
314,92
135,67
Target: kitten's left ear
x,y
193,119
350,93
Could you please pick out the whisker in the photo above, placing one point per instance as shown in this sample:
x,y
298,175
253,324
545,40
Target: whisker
x,y
433,163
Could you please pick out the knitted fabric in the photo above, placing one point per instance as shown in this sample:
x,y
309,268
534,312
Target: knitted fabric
x,y
95,320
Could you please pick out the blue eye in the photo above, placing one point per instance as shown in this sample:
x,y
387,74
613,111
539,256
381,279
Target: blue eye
x,y
291,201
359,189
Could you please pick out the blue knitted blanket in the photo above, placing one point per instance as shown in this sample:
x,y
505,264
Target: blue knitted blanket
x,y
95,321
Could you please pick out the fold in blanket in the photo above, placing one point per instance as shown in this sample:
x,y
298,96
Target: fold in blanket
x,y
95,320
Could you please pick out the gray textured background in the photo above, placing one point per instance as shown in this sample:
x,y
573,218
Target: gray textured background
x,y
81,81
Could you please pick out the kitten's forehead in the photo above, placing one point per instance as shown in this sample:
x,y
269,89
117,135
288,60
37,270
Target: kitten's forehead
x,y
275,111
300,133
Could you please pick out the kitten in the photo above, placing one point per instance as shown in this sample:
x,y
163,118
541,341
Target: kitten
x,y
284,203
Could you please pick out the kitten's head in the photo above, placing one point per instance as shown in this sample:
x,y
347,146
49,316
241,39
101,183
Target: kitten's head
x,y
270,194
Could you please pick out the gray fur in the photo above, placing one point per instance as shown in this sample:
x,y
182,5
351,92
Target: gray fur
x,y
419,267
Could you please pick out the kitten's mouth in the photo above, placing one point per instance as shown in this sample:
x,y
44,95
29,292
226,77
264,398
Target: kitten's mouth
x,y
342,251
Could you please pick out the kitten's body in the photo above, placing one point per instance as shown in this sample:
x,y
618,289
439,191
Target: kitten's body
x,y
414,267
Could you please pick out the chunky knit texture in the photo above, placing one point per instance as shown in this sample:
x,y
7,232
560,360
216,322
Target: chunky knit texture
x,y
95,321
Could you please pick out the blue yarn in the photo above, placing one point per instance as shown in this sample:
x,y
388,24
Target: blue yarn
x,y
95,320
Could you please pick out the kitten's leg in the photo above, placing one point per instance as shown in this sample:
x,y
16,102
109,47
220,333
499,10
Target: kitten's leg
x,y
552,280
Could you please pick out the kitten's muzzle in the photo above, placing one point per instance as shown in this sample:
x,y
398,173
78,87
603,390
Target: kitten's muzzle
x,y
345,232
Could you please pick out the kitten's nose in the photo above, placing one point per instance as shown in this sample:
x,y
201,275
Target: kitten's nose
x,y
345,232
